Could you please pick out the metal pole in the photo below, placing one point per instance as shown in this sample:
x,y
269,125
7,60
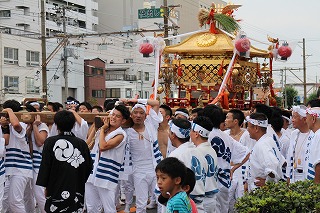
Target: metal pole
x,y
65,57
141,81
285,89
304,73
165,21
43,51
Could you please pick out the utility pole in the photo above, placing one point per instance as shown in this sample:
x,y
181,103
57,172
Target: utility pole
x,y
43,51
304,73
165,21
285,89
65,56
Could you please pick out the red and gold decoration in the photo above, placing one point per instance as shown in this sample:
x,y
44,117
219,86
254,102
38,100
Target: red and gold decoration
x,y
206,68
220,17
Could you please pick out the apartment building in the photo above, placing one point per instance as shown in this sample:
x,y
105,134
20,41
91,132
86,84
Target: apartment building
x,y
20,71
80,17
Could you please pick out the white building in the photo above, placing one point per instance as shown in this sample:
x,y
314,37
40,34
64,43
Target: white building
x,y
122,50
20,71
80,17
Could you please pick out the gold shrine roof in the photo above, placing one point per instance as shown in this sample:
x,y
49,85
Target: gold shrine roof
x,y
206,43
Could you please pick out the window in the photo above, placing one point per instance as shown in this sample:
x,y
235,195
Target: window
x,y
128,93
11,84
82,24
146,94
128,60
5,13
10,55
30,86
139,76
97,71
146,76
127,44
97,93
113,93
33,58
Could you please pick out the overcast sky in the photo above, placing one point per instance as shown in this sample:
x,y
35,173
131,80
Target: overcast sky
x,y
290,20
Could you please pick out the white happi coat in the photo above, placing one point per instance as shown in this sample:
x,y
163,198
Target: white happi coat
x,y
227,150
299,173
264,160
193,159
106,173
314,154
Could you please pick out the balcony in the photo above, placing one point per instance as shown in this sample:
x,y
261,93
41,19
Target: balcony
x,y
121,77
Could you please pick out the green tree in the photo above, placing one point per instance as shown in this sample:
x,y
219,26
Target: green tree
x,y
290,92
312,96
279,101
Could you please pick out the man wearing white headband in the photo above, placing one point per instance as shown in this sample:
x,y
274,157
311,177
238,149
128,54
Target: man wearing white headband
x,y
234,120
181,113
200,130
144,149
297,152
313,122
186,152
227,150
264,161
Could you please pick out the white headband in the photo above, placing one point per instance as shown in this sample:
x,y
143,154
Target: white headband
x,y
301,110
34,104
72,102
314,111
182,113
263,123
140,106
288,119
202,131
180,132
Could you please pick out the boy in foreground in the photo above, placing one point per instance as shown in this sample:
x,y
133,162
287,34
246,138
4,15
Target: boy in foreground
x,y
171,174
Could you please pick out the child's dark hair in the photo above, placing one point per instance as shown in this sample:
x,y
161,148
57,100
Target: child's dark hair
x,y
190,180
173,168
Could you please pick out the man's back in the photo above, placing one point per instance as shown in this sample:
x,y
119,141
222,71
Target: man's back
x,y
65,168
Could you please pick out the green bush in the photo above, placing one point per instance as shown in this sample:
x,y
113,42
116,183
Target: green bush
x,y
299,197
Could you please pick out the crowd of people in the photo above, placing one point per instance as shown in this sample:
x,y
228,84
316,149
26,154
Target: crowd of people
x,y
175,160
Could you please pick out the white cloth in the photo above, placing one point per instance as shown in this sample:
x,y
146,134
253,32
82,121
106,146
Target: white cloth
x,y
145,155
236,189
211,188
297,150
37,150
228,150
15,189
106,172
284,141
193,159
92,198
18,160
314,154
264,160
210,155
